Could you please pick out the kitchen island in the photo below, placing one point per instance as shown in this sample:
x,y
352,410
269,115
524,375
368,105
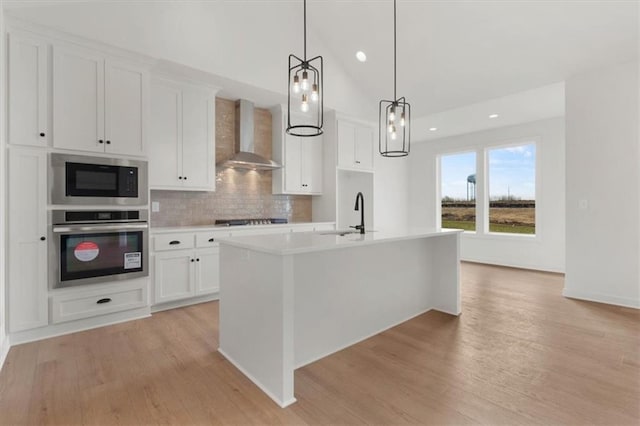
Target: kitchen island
x,y
287,300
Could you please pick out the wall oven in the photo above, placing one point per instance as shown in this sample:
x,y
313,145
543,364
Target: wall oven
x,y
88,247
82,180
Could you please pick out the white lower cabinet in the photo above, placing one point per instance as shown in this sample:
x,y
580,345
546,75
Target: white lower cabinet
x,y
180,274
174,276
75,305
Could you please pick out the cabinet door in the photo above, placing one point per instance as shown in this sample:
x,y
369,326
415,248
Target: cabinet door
x,y
198,140
27,248
311,160
346,144
174,276
207,271
28,91
78,99
363,147
165,133
125,105
292,164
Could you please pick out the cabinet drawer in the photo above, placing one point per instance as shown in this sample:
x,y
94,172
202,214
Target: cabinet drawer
x,y
173,241
71,307
207,239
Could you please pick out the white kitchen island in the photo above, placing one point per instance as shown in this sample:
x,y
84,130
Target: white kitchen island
x,y
287,300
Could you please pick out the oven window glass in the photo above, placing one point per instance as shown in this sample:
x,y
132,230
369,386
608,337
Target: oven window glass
x,y
100,254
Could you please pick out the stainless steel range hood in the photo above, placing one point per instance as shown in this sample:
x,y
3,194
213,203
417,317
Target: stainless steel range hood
x,y
246,158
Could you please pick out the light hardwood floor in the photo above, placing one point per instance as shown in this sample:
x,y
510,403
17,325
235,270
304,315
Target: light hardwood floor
x,y
519,354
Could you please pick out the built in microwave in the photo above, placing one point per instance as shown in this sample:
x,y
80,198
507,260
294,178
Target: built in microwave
x,y
84,180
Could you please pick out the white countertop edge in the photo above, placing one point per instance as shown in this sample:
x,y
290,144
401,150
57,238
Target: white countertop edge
x,y
214,228
248,242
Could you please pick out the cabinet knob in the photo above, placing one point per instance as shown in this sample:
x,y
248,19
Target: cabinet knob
x,y
105,300
357,162
174,242
192,260
42,135
185,178
197,260
100,141
43,238
179,177
108,142
211,240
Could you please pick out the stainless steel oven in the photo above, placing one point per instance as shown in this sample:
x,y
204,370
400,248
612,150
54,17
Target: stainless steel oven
x,y
82,180
88,246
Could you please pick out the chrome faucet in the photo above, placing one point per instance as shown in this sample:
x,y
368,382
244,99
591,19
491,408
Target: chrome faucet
x,y
360,206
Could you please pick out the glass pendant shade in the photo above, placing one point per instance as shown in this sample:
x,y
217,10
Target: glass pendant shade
x,y
394,128
305,114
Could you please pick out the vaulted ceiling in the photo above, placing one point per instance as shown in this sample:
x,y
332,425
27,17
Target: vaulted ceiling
x,y
450,53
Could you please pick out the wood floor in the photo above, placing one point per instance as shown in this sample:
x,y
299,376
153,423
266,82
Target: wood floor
x,y
519,354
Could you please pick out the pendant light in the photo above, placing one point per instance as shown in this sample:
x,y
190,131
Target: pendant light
x,y
395,116
304,104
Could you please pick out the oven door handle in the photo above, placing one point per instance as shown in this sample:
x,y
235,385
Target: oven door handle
x,y
114,227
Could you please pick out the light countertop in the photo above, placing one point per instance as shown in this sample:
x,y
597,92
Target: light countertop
x,y
222,228
305,242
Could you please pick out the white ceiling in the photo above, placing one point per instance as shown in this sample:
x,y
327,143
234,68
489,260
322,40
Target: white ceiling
x,y
456,53
451,54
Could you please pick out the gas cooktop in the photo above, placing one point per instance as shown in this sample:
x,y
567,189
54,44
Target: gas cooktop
x,y
244,222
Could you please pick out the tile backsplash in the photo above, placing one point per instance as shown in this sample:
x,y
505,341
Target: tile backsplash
x,y
239,193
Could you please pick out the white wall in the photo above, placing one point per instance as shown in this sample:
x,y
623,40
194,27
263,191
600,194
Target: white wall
x,y
603,202
546,250
4,343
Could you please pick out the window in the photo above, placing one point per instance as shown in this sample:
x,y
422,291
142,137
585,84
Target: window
x,y
458,191
512,189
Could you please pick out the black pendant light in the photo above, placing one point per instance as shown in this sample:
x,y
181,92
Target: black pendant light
x,y
395,116
305,92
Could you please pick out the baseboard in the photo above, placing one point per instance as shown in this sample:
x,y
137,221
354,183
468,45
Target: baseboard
x,y
5,345
256,382
601,298
184,302
55,330
552,269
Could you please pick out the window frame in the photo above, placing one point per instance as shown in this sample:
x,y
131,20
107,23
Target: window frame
x,y
482,189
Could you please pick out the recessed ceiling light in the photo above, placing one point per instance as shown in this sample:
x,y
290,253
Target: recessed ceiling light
x,y
362,57
494,116
433,129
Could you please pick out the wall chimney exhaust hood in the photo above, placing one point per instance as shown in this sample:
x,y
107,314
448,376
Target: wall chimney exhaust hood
x,y
246,158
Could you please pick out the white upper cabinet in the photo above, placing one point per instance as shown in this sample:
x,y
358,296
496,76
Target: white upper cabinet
x,y
198,138
125,108
301,158
355,145
98,104
166,134
183,134
28,90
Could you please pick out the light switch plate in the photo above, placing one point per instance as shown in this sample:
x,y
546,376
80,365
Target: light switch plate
x,y
155,206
